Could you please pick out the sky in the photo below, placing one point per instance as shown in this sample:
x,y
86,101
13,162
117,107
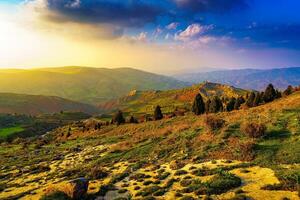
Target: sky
x,y
163,36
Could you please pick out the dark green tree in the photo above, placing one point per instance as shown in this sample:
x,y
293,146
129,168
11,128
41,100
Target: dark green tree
x,y
257,100
215,105
230,104
157,113
198,107
207,104
250,100
240,100
288,91
118,118
133,120
270,94
278,94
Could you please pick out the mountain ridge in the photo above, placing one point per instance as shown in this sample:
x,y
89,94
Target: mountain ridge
x,y
83,84
256,79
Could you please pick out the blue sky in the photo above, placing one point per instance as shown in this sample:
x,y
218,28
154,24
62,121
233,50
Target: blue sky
x,y
250,29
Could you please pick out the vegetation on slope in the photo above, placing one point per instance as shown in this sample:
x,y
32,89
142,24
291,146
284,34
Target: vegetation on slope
x,y
144,102
38,104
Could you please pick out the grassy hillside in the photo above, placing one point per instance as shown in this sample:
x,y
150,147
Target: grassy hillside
x,y
177,158
143,102
88,85
248,78
38,104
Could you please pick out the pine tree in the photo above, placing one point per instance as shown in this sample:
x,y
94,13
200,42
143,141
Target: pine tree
x,y
250,100
278,94
118,118
257,99
230,104
207,104
288,91
238,103
198,107
215,105
157,113
132,120
270,93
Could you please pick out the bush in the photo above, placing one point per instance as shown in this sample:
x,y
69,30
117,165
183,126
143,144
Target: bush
x,y
55,195
223,182
214,123
98,173
254,130
148,191
174,165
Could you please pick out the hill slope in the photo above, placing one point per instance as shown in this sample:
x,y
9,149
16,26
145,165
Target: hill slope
x,y
88,85
141,102
248,78
173,157
38,104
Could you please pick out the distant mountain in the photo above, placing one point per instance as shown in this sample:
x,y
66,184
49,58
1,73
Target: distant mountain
x,y
248,78
143,102
88,85
37,104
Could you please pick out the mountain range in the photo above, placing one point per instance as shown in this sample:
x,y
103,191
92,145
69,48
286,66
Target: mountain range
x,y
82,84
247,78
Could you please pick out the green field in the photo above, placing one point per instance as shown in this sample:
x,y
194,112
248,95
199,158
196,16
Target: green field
x,y
4,132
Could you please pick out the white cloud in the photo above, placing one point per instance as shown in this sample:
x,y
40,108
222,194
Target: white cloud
x,y
193,31
172,26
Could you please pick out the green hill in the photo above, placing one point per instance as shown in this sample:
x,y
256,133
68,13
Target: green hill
x,y
177,158
88,85
142,102
37,104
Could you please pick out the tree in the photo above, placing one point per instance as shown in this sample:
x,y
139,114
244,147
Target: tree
x,y
288,91
133,120
215,105
278,94
250,100
257,99
207,104
239,102
198,107
157,113
118,118
270,93
230,104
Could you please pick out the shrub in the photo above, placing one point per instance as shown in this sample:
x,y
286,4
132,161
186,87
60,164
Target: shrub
x,y
118,118
198,107
180,172
174,165
223,182
187,198
148,191
98,173
157,113
55,195
254,130
214,123
186,182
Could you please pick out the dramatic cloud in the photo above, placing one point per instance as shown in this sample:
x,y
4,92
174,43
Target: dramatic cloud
x,y
121,13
